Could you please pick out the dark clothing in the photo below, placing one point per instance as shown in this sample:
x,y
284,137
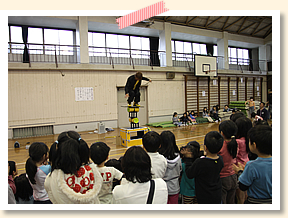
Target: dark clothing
x,y
214,114
208,184
131,83
263,113
134,94
133,89
184,119
229,186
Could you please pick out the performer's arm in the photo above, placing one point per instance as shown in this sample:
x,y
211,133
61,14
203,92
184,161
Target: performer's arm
x,y
144,78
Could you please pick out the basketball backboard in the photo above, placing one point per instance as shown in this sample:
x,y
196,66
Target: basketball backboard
x,y
205,65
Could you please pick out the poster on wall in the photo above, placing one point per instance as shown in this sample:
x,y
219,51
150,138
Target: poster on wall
x,y
84,94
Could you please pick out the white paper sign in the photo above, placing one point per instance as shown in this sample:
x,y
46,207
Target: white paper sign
x,y
241,80
203,93
234,92
214,82
84,94
257,88
258,93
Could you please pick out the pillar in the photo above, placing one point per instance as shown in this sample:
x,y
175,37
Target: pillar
x,y
82,39
222,46
165,45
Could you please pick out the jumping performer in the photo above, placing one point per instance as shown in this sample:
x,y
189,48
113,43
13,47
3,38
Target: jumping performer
x,y
132,88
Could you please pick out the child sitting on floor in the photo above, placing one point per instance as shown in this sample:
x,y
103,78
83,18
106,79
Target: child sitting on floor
x,y
176,120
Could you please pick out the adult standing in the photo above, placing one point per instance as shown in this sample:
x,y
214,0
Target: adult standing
x,y
132,88
262,112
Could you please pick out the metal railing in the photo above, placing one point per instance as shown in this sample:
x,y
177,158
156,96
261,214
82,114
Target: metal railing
x,y
47,53
50,53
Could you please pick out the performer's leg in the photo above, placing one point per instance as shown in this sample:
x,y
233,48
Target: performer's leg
x,y
137,96
131,96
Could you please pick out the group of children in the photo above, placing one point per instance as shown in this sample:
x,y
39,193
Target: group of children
x,y
236,163
188,118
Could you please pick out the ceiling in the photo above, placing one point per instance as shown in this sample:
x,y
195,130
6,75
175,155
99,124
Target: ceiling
x,y
253,26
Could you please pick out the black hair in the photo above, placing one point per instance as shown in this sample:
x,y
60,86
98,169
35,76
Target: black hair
x,y
204,109
136,165
69,152
36,152
151,141
226,105
244,124
213,141
168,148
194,147
262,103
262,136
99,152
23,188
175,114
229,129
114,163
260,122
237,115
12,165
251,97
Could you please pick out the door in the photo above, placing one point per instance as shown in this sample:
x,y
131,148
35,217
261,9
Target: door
x,y
123,115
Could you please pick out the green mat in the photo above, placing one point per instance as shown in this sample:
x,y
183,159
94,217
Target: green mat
x,y
162,124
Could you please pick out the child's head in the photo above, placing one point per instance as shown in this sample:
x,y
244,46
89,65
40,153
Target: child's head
x,y
185,114
175,114
99,152
13,169
151,141
226,106
251,98
260,122
168,146
114,163
229,131
237,115
23,187
69,152
38,154
192,112
194,148
205,109
136,165
261,137
213,141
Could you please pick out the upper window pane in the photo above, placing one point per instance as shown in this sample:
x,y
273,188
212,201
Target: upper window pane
x,y
35,35
16,34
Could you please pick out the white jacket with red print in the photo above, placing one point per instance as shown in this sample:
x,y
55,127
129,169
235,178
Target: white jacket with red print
x,y
82,188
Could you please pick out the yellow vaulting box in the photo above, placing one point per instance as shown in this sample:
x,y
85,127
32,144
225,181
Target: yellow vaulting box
x,y
132,137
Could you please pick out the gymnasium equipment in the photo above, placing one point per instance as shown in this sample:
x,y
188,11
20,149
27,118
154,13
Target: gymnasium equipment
x,y
132,136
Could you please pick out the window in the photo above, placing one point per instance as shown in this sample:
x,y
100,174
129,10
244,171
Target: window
x,y
96,43
215,50
35,36
62,40
118,45
238,56
16,39
199,49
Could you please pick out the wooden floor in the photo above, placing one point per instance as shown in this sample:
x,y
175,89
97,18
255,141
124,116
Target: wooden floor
x,y
183,136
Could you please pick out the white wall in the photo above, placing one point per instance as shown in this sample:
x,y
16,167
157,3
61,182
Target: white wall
x,y
41,97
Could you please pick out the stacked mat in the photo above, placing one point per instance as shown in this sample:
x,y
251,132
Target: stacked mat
x,y
239,105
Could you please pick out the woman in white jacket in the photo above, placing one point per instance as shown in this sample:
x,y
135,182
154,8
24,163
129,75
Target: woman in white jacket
x,y
72,180
136,187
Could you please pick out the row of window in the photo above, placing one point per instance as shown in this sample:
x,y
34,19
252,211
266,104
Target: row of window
x,y
49,41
